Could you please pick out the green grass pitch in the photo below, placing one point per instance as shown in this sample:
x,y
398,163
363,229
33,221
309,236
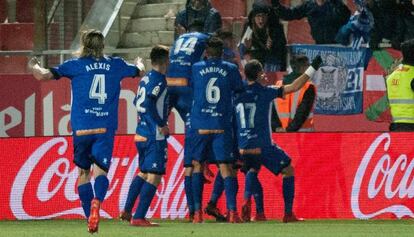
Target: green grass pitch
x,y
309,228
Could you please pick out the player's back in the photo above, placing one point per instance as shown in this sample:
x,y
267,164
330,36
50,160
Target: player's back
x,y
253,107
152,89
186,50
95,89
214,82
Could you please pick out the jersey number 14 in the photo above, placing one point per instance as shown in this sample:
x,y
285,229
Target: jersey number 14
x,y
97,90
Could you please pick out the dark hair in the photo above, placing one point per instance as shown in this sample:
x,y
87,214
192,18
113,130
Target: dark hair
x,y
252,69
298,61
215,47
159,54
196,26
407,49
92,44
224,34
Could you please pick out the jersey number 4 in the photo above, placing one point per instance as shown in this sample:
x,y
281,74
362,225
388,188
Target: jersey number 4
x,y
246,122
97,90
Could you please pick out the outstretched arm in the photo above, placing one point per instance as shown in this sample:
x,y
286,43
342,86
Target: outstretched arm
x,y
302,79
39,72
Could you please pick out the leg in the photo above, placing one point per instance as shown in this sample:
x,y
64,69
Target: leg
x,y
148,191
218,190
289,194
230,187
197,186
85,190
133,193
188,187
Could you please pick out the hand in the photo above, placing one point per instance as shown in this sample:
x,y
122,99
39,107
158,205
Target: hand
x,y
316,62
140,65
179,29
248,43
32,63
269,43
165,130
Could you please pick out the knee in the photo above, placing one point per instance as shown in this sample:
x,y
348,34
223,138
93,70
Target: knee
x,y
288,171
154,179
188,171
226,170
84,176
197,167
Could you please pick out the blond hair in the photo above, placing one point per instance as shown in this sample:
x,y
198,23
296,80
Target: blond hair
x,y
92,44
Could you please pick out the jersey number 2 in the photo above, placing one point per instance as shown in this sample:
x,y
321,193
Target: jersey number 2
x,y
97,90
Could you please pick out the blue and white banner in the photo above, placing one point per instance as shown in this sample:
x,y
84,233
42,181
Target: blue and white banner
x,y
339,81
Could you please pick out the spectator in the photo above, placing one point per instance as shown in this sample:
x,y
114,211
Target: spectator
x,y
230,54
357,31
197,10
385,17
405,22
400,91
264,38
325,17
294,112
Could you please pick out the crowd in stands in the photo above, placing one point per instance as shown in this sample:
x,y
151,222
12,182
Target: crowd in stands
x,y
330,21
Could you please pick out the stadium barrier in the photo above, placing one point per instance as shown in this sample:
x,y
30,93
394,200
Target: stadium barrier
x,y
338,175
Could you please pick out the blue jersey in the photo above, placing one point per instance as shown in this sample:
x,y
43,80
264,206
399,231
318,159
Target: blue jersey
x,y
152,106
95,89
253,107
186,50
214,82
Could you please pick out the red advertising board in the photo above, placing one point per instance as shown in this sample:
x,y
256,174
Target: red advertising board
x,y
338,175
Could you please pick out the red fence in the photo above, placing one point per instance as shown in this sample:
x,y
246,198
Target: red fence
x,y
338,175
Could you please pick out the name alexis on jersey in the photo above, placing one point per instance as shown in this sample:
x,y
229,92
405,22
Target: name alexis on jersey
x,y
213,70
98,66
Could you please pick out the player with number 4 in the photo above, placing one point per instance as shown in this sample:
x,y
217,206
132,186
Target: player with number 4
x,y
95,80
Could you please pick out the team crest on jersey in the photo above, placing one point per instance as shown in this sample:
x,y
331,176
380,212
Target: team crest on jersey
x,y
156,90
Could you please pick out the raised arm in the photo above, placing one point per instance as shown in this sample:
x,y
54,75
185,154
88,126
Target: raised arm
x,y
301,80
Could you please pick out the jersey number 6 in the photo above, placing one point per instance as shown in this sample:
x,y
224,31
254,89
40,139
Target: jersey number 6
x,y
212,91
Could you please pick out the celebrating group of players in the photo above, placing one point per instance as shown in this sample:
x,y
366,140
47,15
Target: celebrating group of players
x,y
227,122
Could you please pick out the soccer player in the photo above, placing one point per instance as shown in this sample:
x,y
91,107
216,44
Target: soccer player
x,y
95,81
214,81
253,107
186,50
151,138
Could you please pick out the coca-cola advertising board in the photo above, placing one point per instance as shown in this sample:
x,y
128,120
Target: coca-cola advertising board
x,y
338,175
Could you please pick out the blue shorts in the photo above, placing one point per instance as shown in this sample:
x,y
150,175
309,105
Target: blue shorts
x,y
190,153
180,98
93,149
219,145
152,156
272,157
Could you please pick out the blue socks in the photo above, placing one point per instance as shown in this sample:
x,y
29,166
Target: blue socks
x,y
101,187
288,193
218,188
147,194
248,185
231,186
258,194
133,193
189,193
86,195
198,184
